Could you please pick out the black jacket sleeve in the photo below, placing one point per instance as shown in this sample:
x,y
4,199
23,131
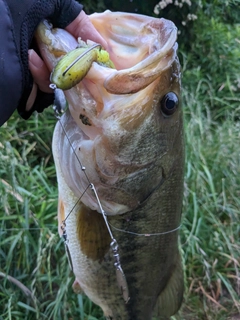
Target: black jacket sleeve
x,y
19,19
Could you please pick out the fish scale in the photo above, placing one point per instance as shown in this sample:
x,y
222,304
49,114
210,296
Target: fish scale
x,y
129,139
134,265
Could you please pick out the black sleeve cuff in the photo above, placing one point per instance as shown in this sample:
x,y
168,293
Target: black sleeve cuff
x,y
42,101
68,11
24,16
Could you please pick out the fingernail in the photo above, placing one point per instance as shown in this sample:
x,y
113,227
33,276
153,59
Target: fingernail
x,y
34,59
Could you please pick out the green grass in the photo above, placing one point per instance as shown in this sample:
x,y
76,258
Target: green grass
x,y
211,231
32,253
30,249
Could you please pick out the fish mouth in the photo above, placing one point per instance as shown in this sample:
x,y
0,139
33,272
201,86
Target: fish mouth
x,y
140,47
111,110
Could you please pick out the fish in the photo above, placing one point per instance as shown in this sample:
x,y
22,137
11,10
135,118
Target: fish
x,y
122,136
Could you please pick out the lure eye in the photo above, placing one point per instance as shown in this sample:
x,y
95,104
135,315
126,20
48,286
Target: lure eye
x,y
169,103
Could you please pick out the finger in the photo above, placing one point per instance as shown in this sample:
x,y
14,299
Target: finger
x,y
39,71
32,97
83,27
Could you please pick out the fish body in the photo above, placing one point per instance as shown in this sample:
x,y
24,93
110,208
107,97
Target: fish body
x,y
124,135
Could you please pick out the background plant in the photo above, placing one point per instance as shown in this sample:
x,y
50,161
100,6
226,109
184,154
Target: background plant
x,y
30,249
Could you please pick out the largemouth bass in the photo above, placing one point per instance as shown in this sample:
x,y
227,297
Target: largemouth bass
x,y
124,129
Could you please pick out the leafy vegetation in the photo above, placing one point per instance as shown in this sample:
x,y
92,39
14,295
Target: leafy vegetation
x,y
35,281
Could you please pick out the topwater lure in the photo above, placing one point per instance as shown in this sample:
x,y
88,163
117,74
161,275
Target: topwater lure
x,y
74,66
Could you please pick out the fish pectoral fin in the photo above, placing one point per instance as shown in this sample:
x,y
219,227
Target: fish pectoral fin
x,y
92,233
77,287
170,299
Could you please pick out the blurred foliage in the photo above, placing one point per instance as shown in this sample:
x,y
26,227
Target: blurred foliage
x,y
181,11
209,49
224,10
30,249
212,64
209,43
91,6
136,6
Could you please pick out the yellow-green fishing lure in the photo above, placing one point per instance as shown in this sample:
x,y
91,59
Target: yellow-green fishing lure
x,y
74,66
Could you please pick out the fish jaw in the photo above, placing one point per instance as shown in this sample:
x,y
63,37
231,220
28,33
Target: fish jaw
x,y
132,37
110,130
137,45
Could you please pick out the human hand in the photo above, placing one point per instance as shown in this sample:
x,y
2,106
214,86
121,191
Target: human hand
x,y
80,27
21,88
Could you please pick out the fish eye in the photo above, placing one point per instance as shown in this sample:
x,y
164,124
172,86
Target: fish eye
x,y
169,103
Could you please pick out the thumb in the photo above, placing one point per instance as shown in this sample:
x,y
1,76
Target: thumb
x,y
83,27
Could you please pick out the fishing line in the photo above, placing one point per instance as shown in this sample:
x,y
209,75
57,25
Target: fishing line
x,y
59,102
59,108
146,234
57,115
76,203
50,227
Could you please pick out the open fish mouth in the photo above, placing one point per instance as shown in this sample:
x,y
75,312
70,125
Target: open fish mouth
x,y
139,53
110,109
140,47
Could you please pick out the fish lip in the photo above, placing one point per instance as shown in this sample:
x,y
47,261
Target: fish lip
x,y
161,54
145,72
52,41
